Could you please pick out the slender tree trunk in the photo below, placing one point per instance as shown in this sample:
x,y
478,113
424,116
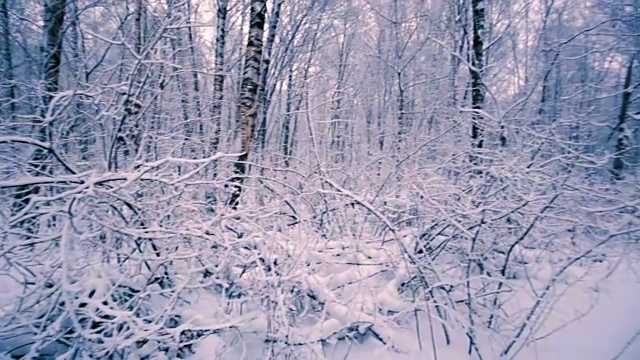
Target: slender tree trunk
x,y
459,23
52,58
622,144
543,110
9,93
219,74
180,82
194,73
247,109
53,24
218,90
198,122
338,127
286,126
477,72
80,135
303,92
175,42
265,94
129,134
138,25
53,20
264,72
402,126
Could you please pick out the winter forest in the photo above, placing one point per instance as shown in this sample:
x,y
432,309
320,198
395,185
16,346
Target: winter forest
x,y
320,179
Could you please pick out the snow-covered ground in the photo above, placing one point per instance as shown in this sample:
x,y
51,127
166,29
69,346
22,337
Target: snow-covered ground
x,y
604,331
602,334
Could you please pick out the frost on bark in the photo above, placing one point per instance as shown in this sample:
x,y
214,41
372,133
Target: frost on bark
x,y
622,144
339,127
476,72
247,106
129,132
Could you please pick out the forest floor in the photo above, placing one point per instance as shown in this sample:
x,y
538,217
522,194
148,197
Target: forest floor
x,y
595,319
606,331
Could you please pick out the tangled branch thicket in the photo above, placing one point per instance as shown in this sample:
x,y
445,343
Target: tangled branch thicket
x,y
366,211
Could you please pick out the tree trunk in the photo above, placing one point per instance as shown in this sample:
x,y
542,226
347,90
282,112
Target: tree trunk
x,y
218,90
53,22
219,75
247,109
622,145
399,50
459,22
194,73
9,93
129,134
264,72
175,41
52,57
286,126
476,72
339,128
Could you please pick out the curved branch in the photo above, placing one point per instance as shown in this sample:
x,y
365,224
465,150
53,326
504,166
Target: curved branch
x,y
38,144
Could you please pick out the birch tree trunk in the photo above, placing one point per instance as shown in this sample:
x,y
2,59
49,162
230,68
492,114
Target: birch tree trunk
x,y
247,109
339,127
218,90
476,72
129,132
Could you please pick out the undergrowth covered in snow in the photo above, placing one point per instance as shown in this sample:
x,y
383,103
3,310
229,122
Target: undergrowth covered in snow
x,y
135,266
404,179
